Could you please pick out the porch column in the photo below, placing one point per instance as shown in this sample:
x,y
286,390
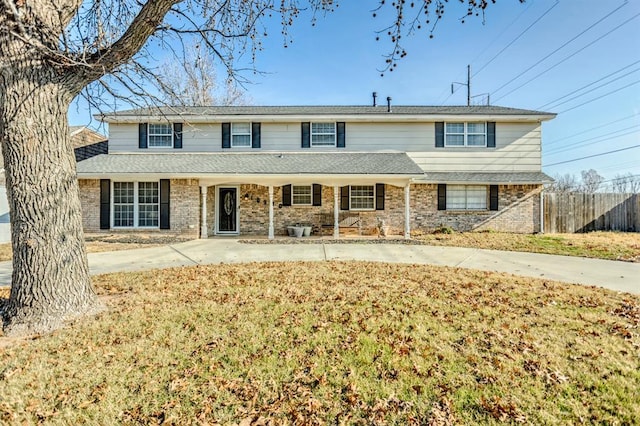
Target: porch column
x,y
271,234
204,232
336,212
407,214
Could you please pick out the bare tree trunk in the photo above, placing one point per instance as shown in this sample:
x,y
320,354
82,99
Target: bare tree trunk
x,y
50,282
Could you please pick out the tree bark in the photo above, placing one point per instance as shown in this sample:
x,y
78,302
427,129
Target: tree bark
x,y
50,282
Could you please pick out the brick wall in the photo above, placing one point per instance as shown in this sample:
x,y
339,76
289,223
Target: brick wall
x,y
184,211
519,210
90,202
185,207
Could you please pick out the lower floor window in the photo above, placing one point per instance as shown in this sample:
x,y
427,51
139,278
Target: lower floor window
x,y
362,197
301,195
136,204
466,197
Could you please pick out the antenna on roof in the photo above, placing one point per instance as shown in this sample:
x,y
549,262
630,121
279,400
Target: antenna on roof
x,y
468,84
375,95
388,103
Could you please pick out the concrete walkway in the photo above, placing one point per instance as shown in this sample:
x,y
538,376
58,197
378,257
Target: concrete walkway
x,y
620,276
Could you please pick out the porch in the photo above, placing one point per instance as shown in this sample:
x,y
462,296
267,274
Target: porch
x,y
251,210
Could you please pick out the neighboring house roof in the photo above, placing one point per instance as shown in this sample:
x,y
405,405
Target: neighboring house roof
x,y
83,136
265,168
513,178
378,113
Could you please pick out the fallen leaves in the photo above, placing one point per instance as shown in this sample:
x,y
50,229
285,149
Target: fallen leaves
x,y
332,342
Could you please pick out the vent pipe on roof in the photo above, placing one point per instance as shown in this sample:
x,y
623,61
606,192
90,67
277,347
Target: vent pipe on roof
x,y
375,95
388,103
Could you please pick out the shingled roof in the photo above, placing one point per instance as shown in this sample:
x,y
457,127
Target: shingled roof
x,y
513,178
251,163
324,110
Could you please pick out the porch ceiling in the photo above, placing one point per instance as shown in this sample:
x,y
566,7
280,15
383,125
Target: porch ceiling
x,y
259,168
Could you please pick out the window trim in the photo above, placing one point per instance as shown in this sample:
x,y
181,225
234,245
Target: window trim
x,y
232,134
466,199
312,133
293,203
373,198
136,204
149,134
465,134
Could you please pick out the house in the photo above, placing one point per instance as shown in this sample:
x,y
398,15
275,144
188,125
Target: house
x,y
87,143
208,171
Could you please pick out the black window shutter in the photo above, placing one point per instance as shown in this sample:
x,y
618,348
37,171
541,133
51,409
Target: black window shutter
x,y
165,189
306,135
491,134
340,135
493,197
286,195
142,135
317,194
379,196
105,203
344,198
255,135
177,135
226,135
440,134
442,196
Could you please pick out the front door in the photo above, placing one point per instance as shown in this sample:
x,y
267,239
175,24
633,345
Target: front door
x,y
227,210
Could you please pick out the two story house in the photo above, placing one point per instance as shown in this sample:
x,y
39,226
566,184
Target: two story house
x,y
205,171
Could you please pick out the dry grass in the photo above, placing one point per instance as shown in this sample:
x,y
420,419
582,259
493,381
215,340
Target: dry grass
x,y
600,245
110,242
331,342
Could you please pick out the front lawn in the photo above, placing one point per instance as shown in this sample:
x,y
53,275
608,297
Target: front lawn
x,y
97,243
332,342
599,245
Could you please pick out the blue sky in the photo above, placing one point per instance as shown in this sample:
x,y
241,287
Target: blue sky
x,y
337,61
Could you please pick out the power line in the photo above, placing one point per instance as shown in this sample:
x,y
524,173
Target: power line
x,y
595,88
517,37
592,128
600,138
621,178
567,58
594,155
600,97
499,36
590,84
563,45
444,92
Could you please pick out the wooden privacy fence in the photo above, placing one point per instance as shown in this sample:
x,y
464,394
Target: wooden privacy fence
x,y
577,212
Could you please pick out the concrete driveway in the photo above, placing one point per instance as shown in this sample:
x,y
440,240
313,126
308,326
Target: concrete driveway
x,y
619,276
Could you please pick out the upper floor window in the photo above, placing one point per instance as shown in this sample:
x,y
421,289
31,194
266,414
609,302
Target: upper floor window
x,y
160,135
323,134
465,134
466,197
241,135
301,195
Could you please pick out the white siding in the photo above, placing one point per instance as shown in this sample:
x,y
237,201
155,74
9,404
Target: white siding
x,y
517,149
123,137
405,137
517,144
